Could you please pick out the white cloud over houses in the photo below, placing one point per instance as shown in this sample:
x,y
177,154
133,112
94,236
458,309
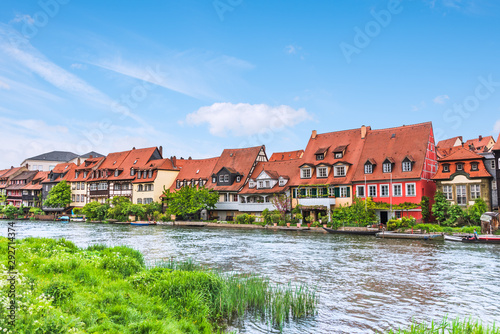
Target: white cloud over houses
x,y
245,119
441,99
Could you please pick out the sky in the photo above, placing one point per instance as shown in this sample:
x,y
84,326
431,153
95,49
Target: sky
x,y
198,76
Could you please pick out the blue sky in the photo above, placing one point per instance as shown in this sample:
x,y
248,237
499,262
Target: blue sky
x,y
198,76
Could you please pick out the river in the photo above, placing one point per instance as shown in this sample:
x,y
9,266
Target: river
x,y
366,285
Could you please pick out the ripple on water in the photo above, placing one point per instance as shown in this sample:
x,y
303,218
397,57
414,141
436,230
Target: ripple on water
x,y
366,285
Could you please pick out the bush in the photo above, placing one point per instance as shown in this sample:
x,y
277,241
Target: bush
x,y
245,219
401,223
60,291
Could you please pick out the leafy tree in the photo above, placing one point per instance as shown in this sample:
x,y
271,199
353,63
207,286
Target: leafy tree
x,y
137,210
59,196
3,199
36,211
476,211
441,207
426,211
456,214
189,201
282,204
119,208
10,211
95,210
153,210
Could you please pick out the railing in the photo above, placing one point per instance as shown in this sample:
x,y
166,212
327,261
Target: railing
x,y
256,207
317,201
234,206
99,192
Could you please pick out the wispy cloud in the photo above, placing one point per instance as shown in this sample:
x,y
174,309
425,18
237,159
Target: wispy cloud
x,y
4,85
79,66
441,99
245,119
23,18
420,106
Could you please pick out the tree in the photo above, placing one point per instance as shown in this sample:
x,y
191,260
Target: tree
x,y
3,199
476,211
426,211
189,201
441,207
282,204
95,210
59,196
10,211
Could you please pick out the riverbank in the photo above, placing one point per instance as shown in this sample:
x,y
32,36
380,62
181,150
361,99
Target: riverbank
x,y
60,288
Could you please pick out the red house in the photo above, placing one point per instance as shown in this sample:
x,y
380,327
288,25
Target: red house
x,y
397,166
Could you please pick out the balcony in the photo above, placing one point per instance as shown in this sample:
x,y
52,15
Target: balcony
x,y
99,193
256,207
230,206
325,201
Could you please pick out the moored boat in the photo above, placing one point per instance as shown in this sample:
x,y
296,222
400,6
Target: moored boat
x,y
417,236
484,239
358,231
142,223
293,228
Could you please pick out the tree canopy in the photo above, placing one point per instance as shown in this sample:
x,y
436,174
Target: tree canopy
x,y
59,196
189,201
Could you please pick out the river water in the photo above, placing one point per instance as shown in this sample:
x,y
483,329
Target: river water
x,y
365,284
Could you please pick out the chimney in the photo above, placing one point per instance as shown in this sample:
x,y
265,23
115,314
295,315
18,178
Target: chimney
x,y
480,137
161,151
190,158
133,148
314,134
26,165
90,156
78,162
363,132
174,160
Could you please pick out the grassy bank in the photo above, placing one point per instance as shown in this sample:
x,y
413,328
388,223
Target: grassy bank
x,y
61,288
456,326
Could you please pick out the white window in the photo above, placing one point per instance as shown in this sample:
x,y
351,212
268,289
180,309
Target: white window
x,y
338,155
282,182
339,171
85,175
343,191
446,168
360,191
150,175
387,167
474,166
493,185
406,166
475,191
448,192
238,178
397,190
268,184
322,172
384,190
72,197
226,197
368,169
144,174
493,164
221,178
139,201
462,195
78,198
372,191
261,184
132,172
226,178
78,186
411,189
306,173
460,167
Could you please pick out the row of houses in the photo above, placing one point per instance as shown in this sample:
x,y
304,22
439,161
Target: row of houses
x,y
393,166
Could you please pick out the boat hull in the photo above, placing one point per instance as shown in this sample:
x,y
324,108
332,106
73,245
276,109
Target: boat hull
x,y
357,232
142,223
483,239
393,235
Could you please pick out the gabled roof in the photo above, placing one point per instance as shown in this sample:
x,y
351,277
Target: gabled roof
x,y
480,144
27,175
399,143
240,160
55,156
496,147
466,156
291,155
13,171
352,138
278,169
92,153
452,142
462,154
195,169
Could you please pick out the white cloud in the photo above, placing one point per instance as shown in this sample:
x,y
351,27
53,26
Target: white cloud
x,y
4,85
245,119
79,66
23,18
496,127
441,99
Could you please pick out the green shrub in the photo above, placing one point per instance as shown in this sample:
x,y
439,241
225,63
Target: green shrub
x,y
401,223
245,219
60,291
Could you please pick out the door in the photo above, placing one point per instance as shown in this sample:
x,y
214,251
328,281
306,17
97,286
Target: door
x,y
384,217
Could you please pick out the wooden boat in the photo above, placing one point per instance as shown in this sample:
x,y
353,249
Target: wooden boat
x,y
483,239
63,219
294,229
361,231
78,219
417,236
190,224
142,223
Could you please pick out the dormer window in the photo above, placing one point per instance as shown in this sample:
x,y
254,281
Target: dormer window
x,y
474,166
322,172
305,173
339,171
368,168
76,175
338,155
282,182
387,167
407,165
139,174
226,178
460,167
132,172
214,179
84,175
260,184
135,162
238,178
144,174
116,173
446,168
320,156
221,178
251,183
150,174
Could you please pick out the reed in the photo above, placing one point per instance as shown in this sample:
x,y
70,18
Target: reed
x,y
445,326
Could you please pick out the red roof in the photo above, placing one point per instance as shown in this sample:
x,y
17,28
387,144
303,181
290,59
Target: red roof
x,y
195,170
480,144
12,171
400,143
447,143
496,147
291,155
465,156
275,169
240,160
350,139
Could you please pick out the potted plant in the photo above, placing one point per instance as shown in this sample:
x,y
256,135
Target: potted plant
x,y
299,218
321,218
308,220
287,222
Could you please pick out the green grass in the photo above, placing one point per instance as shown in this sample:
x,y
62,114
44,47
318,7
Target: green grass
x,y
65,289
456,326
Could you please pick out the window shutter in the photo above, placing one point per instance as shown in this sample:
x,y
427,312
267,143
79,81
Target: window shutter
x,y
294,193
314,192
348,191
336,191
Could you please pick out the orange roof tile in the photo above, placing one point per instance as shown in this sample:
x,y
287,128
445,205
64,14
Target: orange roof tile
x,y
467,157
462,154
482,144
291,155
447,143
195,169
275,169
399,143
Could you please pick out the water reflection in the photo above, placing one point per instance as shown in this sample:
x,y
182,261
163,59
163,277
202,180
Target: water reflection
x,y
365,284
